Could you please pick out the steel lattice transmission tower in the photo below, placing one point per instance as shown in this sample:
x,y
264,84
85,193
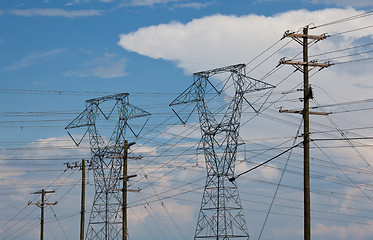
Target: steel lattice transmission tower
x,y
220,215
107,159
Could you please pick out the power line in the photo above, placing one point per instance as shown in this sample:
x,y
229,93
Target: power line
x,y
342,20
356,60
341,50
55,92
352,30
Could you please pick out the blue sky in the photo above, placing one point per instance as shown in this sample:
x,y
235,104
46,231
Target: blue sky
x,y
57,54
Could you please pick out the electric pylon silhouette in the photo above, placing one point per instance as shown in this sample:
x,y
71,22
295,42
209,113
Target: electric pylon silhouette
x,y
220,215
107,157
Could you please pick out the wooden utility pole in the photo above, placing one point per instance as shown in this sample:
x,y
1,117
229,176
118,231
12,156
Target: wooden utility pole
x,y
307,95
82,166
42,205
124,189
82,202
306,140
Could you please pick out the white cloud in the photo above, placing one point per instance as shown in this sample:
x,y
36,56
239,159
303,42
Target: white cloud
x,y
35,58
8,173
40,151
267,172
52,148
54,12
288,232
223,40
352,231
167,213
188,131
143,150
55,147
108,66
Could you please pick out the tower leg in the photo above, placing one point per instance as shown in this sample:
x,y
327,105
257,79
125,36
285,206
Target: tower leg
x,y
220,215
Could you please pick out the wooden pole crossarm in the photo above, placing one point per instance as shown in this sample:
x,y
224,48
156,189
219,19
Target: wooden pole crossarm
x,y
298,35
312,64
301,112
114,156
133,190
128,177
41,192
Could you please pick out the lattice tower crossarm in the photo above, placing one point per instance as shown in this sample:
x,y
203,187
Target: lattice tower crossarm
x,y
220,215
107,158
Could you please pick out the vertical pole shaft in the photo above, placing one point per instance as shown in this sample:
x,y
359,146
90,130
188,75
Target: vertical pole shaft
x,y
306,141
124,192
42,215
82,205
106,214
218,209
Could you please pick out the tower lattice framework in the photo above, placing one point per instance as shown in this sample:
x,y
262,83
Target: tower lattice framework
x,y
220,215
105,221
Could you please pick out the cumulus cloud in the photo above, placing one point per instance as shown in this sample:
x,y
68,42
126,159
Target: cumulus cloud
x,y
54,12
220,40
223,40
107,66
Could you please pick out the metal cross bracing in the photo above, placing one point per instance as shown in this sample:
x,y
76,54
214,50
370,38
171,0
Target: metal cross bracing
x,y
220,215
107,157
